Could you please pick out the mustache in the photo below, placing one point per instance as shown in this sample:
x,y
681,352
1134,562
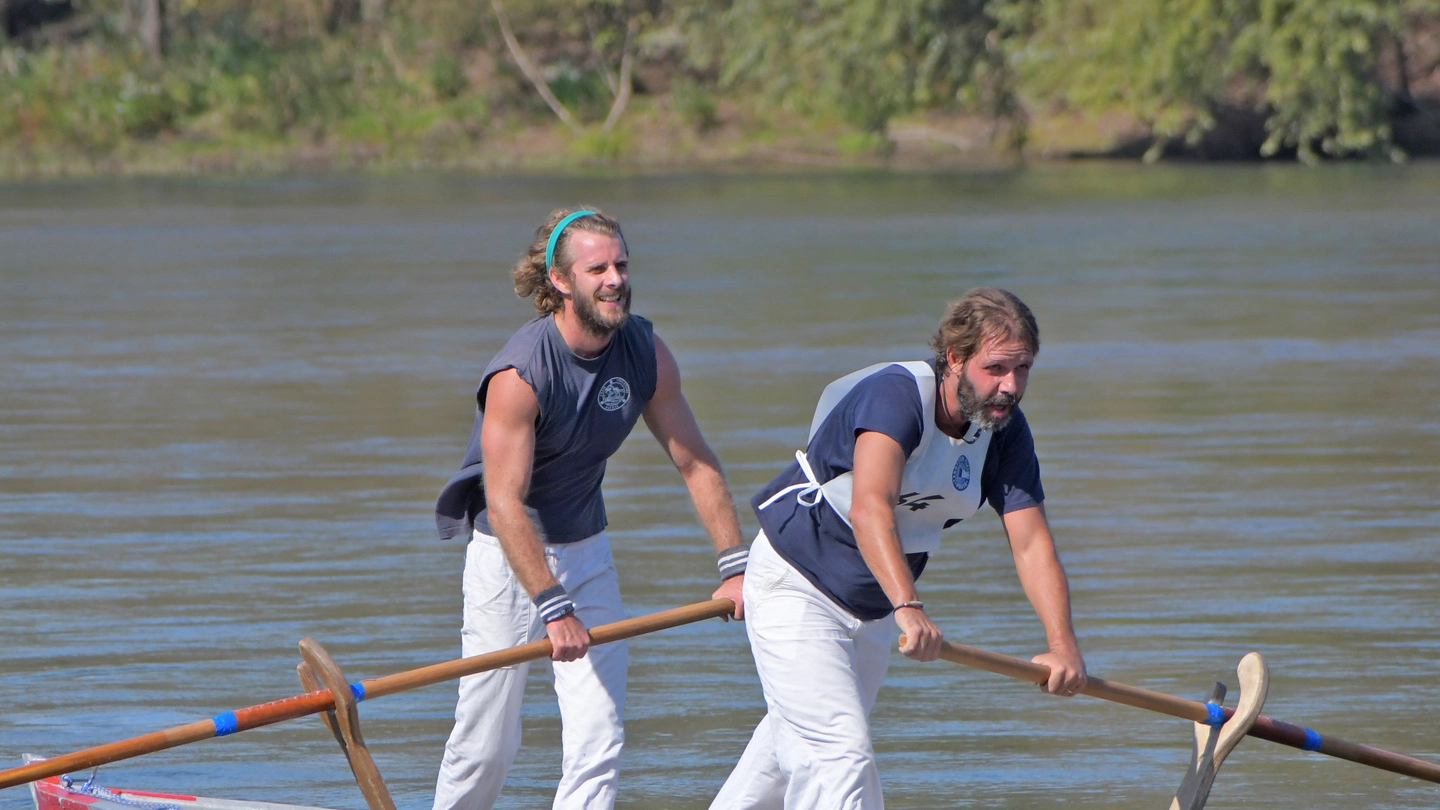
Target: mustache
x,y
1003,400
623,292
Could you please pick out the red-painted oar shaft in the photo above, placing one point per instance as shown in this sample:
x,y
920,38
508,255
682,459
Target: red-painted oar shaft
x,y
315,702
1265,728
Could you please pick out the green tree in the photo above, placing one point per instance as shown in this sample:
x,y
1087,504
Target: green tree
x,y
1319,60
868,60
1310,68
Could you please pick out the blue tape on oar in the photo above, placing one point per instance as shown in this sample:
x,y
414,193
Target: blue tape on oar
x,y
226,723
358,690
1313,740
1216,714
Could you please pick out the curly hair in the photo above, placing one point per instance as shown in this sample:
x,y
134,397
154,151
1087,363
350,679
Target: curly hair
x,y
532,277
982,314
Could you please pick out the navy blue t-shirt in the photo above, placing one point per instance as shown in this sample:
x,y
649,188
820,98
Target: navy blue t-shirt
x,y
587,408
819,544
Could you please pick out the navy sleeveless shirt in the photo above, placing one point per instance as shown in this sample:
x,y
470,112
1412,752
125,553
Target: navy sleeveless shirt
x,y
587,408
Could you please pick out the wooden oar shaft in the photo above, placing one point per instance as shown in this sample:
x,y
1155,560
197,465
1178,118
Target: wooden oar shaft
x,y
314,702
1265,728
604,634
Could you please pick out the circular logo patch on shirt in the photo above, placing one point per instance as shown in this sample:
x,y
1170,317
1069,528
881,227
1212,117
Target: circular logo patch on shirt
x,y
613,394
960,476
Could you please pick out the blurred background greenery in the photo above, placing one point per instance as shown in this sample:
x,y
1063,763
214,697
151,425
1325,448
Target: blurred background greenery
x,y
160,85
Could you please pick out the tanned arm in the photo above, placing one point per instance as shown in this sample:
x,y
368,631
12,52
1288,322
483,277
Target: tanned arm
x,y
507,439
879,462
1043,579
669,417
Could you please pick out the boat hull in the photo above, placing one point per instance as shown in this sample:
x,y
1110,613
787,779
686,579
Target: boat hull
x,y
60,793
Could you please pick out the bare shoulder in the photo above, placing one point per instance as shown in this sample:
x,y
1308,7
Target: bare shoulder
x,y
509,397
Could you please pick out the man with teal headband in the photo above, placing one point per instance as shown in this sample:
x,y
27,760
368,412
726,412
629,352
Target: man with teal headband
x,y
553,405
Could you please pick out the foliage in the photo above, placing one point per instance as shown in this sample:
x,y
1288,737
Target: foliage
x,y
447,77
1320,62
597,146
584,92
229,76
863,143
867,60
1309,67
1319,77
695,104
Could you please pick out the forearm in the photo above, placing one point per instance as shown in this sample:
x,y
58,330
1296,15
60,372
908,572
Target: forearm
x,y
524,551
713,504
523,548
879,542
1046,586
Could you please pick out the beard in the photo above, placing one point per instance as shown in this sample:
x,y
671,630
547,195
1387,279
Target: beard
x,y
593,321
977,411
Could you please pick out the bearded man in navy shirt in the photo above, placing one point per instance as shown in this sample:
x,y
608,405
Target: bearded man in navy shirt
x,y
552,407
898,452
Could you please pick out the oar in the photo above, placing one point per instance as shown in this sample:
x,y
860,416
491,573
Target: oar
x,y
1265,728
313,702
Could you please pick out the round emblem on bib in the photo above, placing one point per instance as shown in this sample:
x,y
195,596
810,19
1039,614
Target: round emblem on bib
x,y
960,476
613,394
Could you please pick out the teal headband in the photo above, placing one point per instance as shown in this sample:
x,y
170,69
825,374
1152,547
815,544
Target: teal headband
x,y
555,236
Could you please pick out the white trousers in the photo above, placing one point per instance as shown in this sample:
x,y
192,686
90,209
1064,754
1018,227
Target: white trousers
x,y
591,691
821,669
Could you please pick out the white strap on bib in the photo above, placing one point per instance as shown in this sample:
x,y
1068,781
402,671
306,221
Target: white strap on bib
x,y
809,489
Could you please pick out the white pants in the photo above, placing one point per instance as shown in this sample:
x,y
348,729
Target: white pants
x,y
591,691
821,669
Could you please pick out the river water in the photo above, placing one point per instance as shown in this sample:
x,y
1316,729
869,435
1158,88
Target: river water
x,y
228,404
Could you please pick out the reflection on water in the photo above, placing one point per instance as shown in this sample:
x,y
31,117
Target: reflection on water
x,y
228,406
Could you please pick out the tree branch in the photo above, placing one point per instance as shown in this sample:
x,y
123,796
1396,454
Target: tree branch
x,y
622,97
528,68
153,33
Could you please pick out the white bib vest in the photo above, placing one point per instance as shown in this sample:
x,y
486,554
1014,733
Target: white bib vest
x,y
939,486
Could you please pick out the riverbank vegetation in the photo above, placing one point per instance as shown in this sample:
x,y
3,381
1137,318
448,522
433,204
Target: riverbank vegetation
x,y
226,85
